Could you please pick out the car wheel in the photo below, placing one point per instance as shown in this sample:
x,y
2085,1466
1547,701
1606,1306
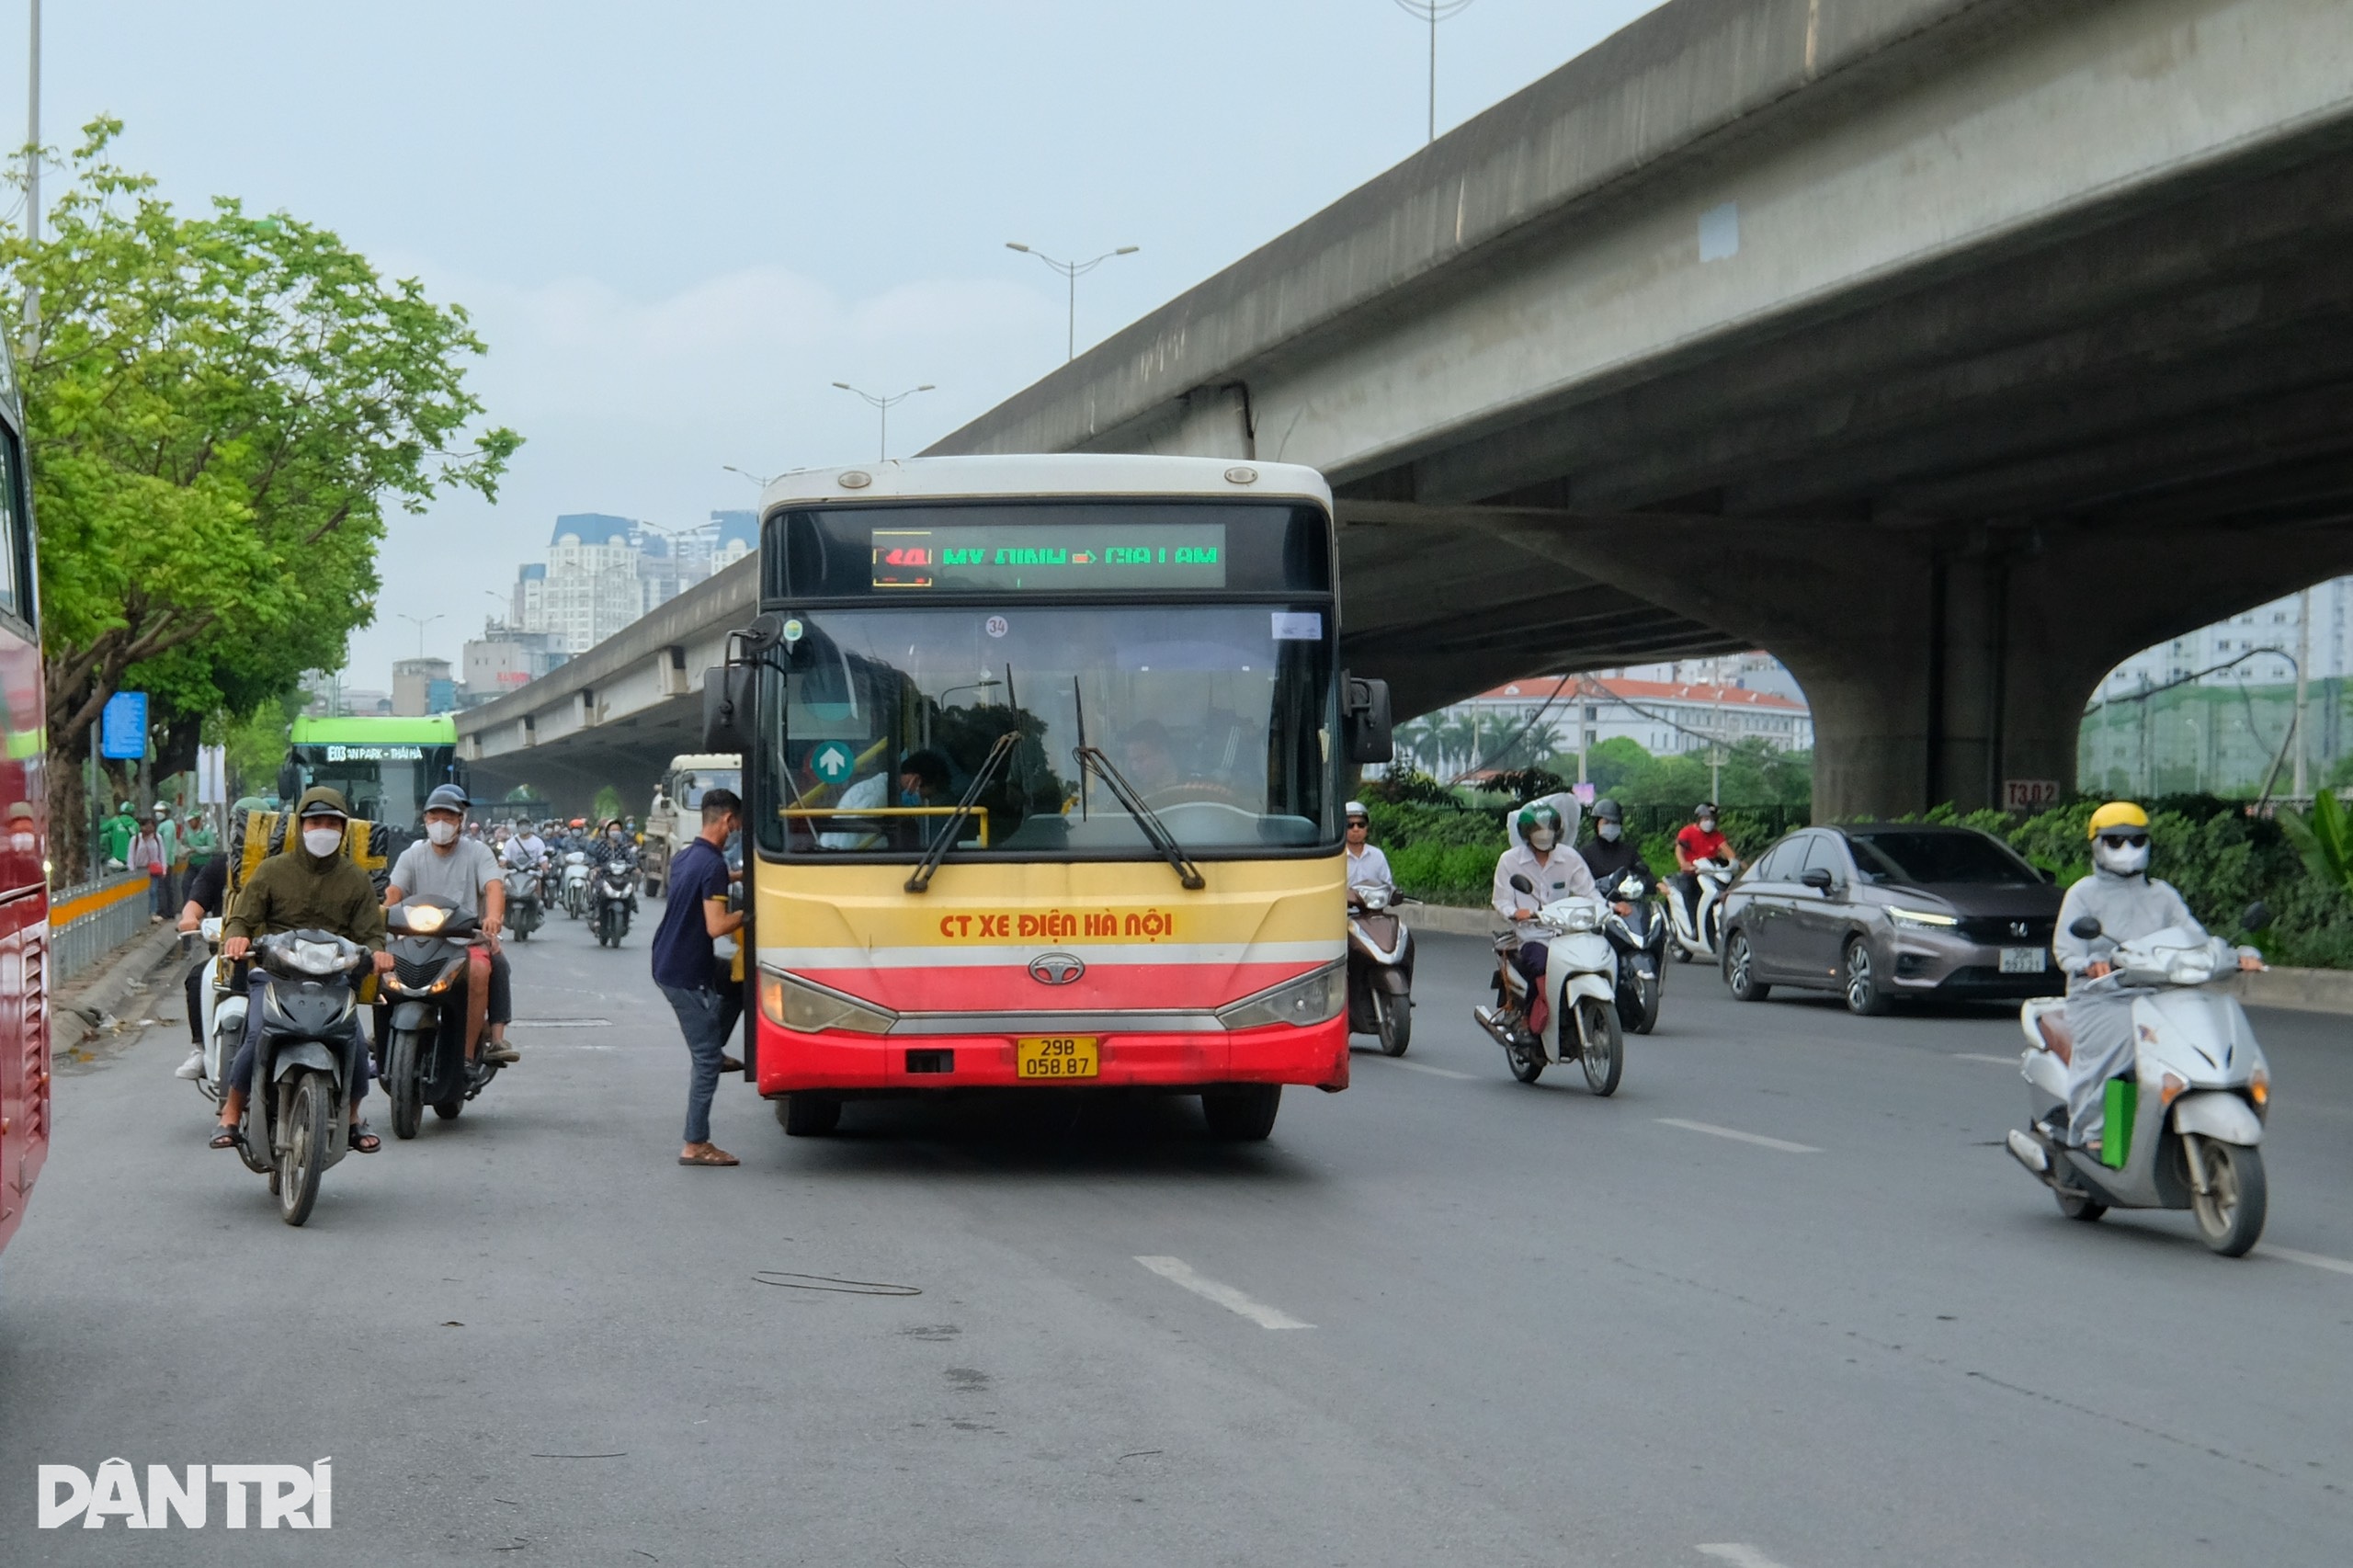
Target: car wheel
x,y
1865,997
1740,970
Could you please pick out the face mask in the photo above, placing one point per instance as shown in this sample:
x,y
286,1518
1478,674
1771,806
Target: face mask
x,y
1707,824
1541,840
323,841
1608,832
910,797
2120,859
441,832
614,837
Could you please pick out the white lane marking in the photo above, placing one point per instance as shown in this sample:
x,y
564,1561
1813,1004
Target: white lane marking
x,y
1425,1067
1739,1554
1176,1271
561,1024
1980,1056
1758,1139
2309,1259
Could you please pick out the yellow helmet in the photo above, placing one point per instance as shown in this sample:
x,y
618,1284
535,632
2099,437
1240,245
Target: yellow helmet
x,y
2116,814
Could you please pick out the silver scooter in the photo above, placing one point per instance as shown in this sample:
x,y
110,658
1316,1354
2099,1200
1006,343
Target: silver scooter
x,y
298,1107
1581,972
1699,935
2185,1131
1381,968
223,1021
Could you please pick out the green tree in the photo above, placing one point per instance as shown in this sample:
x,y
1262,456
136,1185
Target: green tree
x,y
220,409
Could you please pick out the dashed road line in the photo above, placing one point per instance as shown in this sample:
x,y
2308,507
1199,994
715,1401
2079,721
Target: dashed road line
x,y
2309,1259
1176,1271
1981,1056
1713,1130
1425,1067
1739,1554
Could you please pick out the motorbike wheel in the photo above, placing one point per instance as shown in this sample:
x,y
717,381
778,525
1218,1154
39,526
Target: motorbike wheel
x,y
1866,998
310,1121
2082,1209
401,1085
1601,1048
1649,988
2231,1213
1526,1062
1244,1114
447,1109
1740,971
1393,1022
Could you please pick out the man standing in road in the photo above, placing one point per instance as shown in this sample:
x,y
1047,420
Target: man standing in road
x,y
462,870
686,965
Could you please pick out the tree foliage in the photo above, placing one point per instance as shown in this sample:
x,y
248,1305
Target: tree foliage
x,y
220,411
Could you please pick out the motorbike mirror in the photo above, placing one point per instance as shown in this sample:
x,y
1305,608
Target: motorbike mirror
x,y
1519,884
2086,929
2258,915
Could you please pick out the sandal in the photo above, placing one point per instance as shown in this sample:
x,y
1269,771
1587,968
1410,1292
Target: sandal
x,y
227,1138
362,1141
709,1157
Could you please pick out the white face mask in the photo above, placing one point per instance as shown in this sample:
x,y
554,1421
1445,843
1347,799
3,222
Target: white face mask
x,y
441,832
2125,860
1707,824
323,841
1608,832
1541,840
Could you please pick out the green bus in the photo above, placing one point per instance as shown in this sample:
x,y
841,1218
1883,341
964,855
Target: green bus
x,y
384,767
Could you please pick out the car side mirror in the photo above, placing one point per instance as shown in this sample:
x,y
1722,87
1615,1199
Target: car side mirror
x,y
1817,877
1364,720
2086,929
1519,884
2258,915
730,695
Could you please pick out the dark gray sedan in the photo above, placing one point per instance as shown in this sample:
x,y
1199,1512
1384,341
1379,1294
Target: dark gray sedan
x,y
1879,911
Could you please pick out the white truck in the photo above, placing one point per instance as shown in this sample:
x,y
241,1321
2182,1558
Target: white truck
x,y
677,813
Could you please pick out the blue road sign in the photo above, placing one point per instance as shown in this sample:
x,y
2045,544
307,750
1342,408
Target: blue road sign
x,y
831,762
122,727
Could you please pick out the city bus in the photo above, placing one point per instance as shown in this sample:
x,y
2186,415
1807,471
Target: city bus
x,y
384,767
24,842
1045,761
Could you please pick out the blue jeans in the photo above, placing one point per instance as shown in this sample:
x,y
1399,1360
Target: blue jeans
x,y
707,1017
357,1068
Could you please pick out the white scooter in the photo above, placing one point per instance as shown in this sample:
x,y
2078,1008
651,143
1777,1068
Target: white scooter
x,y
1701,937
2185,1130
1581,972
573,894
222,1020
1381,968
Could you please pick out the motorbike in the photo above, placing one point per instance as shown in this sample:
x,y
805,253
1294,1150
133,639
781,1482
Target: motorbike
x,y
222,1024
309,1050
1381,968
574,889
612,899
430,1047
1640,938
524,912
1699,937
1581,971
2196,1056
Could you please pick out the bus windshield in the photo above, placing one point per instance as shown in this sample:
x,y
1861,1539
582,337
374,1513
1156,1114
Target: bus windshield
x,y
381,783
1220,716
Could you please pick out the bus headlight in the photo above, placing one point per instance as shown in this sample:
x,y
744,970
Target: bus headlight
x,y
804,1008
1312,999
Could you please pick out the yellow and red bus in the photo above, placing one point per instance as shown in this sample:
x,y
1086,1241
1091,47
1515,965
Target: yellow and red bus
x,y
1045,761
24,839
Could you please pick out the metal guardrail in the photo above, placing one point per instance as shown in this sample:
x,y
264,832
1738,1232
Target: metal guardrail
x,y
90,920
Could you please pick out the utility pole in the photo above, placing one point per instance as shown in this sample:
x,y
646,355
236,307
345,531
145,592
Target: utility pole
x,y
1433,12
32,176
2303,661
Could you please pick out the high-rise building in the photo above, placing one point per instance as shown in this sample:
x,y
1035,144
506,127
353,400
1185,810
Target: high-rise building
x,y
2257,647
505,657
588,588
421,686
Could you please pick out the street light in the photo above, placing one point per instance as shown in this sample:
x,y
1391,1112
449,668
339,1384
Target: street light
x,y
882,406
762,480
1072,271
1433,12
421,625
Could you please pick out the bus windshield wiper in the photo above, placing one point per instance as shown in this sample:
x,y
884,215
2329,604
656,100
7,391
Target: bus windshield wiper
x,y
1091,758
991,765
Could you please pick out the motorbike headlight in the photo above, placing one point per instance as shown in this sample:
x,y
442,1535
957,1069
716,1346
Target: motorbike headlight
x,y
793,1004
424,918
1922,919
1580,918
1374,899
316,957
1312,999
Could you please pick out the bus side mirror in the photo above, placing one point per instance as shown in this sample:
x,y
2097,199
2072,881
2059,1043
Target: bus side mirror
x,y
1364,719
730,697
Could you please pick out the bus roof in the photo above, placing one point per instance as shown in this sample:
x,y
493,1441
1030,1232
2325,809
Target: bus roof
x,y
998,476
440,730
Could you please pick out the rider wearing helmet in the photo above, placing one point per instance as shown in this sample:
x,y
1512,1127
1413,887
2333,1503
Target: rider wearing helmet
x,y
1539,854
462,870
1366,866
2128,904
1610,854
1699,840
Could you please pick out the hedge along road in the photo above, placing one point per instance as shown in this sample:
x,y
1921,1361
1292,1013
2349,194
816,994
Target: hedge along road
x,y
1440,1317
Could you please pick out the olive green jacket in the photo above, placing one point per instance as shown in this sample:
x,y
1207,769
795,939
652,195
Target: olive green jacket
x,y
294,890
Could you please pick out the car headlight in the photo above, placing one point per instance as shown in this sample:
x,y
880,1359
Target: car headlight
x,y
792,1003
1922,919
1312,999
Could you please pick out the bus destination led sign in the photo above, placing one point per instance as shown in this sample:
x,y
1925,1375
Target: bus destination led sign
x,y
1050,557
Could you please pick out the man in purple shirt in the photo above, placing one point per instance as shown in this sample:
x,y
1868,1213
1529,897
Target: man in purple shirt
x,y
686,964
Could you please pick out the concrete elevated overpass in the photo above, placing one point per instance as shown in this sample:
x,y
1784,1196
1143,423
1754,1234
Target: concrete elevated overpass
x,y
1951,349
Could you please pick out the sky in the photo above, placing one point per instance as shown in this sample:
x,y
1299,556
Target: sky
x,y
675,226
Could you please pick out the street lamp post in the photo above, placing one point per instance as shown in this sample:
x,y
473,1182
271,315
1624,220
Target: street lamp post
x,y
882,406
1072,271
1433,12
421,625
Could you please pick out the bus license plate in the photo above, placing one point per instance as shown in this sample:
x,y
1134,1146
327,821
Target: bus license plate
x,y
2024,960
1055,1057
